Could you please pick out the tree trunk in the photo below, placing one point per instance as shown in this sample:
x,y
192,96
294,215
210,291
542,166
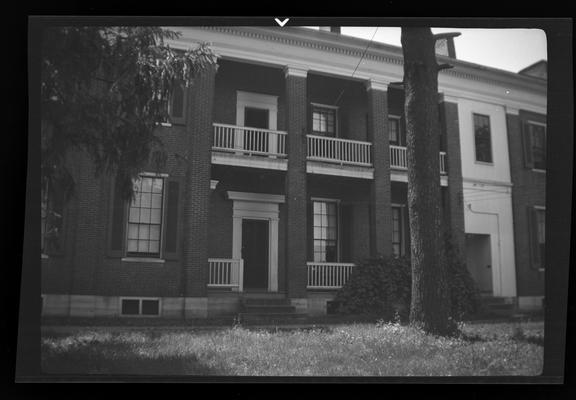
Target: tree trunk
x,y
430,307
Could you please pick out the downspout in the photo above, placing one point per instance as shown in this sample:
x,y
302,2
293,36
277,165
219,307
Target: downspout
x,y
499,244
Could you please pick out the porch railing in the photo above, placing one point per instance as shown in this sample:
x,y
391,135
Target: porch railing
x,y
341,151
226,273
249,141
399,158
325,275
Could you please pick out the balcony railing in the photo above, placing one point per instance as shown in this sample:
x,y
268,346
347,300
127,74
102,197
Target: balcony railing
x,y
249,141
341,151
325,275
399,158
226,273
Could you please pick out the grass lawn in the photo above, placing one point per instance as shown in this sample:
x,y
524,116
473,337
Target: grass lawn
x,y
343,350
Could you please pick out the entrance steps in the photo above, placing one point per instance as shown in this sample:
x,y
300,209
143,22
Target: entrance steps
x,y
267,308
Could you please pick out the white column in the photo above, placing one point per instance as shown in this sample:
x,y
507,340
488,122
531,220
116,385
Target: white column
x,y
273,270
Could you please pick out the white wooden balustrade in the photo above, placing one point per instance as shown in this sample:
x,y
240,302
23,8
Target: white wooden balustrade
x,y
341,151
226,273
249,141
399,158
328,275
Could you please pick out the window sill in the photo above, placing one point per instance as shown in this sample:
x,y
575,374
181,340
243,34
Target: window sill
x,y
489,164
44,256
144,260
166,124
541,270
542,171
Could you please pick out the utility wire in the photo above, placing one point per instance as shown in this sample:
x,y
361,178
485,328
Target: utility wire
x,y
357,65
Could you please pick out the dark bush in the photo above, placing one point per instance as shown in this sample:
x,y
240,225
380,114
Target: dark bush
x,y
382,287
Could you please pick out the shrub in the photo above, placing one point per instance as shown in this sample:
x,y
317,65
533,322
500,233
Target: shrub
x,y
382,287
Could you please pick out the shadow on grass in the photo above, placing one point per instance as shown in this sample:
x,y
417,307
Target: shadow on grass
x,y
118,358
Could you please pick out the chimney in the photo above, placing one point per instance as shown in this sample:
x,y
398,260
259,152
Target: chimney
x,y
445,47
333,29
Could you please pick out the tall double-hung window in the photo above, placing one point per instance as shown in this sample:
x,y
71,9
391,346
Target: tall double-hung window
x,y
145,217
324,120
482,138
325,226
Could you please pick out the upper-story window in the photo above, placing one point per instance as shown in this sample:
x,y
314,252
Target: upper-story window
x,y
535,143
482,138
176,104
145,217
325,225
324,120
395,132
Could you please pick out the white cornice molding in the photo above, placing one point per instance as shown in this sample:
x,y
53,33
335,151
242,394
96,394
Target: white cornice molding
x,y
325,53
295,71
256,197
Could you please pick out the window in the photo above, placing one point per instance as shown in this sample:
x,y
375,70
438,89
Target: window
x,y
395,134
145,217
397,232
536,140
325,220
256,117
324,120
175,105
538,237
51,211
140,306
482,138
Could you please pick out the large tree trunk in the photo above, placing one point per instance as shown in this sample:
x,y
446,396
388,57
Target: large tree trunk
x,y
430,308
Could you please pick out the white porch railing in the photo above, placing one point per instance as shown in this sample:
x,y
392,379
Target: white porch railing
x,y
325,275
341,151
251,141
226,273
399,158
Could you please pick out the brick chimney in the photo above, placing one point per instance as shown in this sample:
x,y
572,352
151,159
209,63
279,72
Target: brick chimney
x,y
333,29
445,47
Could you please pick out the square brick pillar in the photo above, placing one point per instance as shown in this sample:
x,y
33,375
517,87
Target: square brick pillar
x,y
296,195
449,110
197,186
380,191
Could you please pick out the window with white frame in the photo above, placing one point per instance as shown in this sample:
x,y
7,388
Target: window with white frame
x,y
394,131
325,226
140,306
397,231
482,138
539,237
324,120
536,138
145,217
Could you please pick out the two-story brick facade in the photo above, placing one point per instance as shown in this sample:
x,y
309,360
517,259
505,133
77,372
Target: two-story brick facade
x,y
286,168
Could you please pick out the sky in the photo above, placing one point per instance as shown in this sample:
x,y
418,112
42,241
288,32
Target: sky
x,y
507,49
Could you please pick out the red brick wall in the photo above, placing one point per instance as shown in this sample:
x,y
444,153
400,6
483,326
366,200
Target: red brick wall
x,y
296,197
529,189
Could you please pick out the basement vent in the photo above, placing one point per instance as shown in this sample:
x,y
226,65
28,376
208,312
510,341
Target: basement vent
x,y
140,306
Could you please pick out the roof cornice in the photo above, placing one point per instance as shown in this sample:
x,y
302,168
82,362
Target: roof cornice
x,y
380,52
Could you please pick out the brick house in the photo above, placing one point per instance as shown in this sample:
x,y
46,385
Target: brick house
x,y
286,168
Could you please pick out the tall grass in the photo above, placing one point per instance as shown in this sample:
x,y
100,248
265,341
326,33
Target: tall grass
x,y
348,350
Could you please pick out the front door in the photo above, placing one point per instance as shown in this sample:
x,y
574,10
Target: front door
x,y
255,253
479,261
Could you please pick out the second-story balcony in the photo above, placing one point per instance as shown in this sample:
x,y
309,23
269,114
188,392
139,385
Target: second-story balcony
x,y
399,159
251,147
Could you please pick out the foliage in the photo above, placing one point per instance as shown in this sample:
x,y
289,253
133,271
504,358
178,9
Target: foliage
x,y
343,350
383,287
103,90
378,286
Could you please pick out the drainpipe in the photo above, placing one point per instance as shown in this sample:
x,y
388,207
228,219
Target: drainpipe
x,y
499,245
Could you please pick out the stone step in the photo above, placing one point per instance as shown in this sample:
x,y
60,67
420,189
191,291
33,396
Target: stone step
x,y
265,301
268,308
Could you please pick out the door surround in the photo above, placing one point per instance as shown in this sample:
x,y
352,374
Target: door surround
x,y
263,207
257,100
